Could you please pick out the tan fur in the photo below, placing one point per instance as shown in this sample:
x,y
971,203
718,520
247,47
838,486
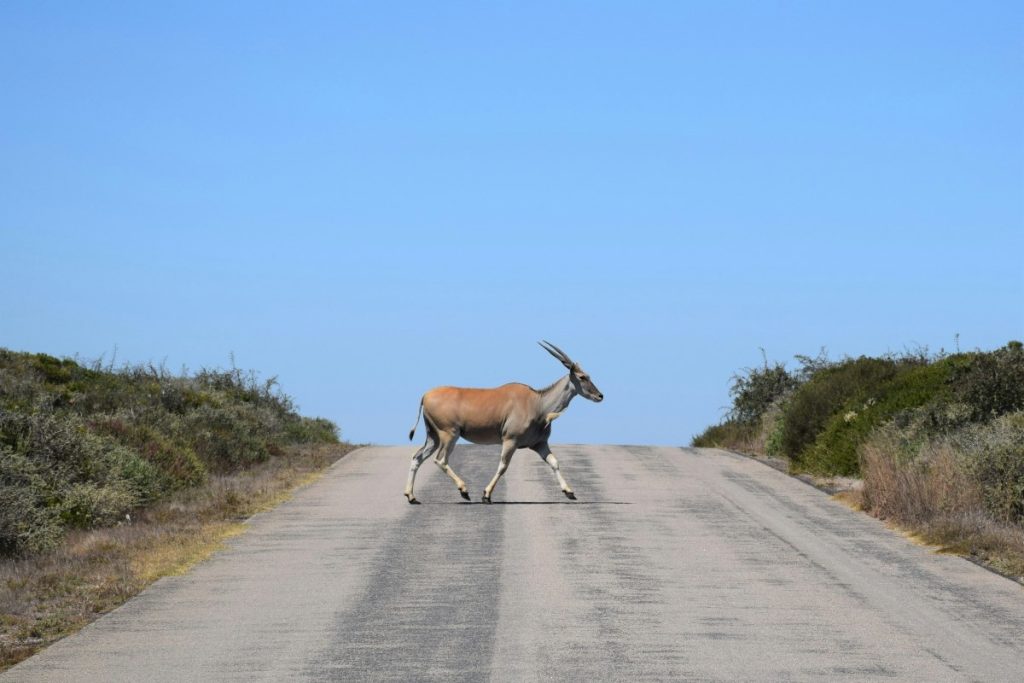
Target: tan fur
x,y
485,416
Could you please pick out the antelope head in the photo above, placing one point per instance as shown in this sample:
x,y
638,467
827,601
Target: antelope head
x,y
578,376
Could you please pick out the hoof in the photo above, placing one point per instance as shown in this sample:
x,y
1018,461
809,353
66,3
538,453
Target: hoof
x,y
570,495
486,499
465,495
412,501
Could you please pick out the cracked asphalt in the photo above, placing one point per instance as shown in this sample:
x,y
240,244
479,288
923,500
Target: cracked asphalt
x,y
674,564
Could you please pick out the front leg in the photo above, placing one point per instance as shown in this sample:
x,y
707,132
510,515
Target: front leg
x,y
507,449
544,451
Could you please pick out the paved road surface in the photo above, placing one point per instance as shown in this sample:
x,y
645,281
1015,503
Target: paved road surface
x,y
674,564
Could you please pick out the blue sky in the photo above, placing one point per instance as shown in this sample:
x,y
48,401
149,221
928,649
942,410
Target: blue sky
x,y
371,199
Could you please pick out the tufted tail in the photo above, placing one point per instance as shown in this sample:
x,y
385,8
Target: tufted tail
x,y
417,424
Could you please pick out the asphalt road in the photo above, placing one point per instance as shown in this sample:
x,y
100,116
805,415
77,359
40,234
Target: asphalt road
x,y
674,564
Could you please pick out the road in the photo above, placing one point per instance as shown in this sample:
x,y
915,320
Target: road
x,y
674,564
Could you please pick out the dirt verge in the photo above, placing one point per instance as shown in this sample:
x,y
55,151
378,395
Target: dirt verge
x,y
45,598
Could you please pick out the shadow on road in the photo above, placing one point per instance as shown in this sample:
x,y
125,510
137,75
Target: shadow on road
x,y
535,502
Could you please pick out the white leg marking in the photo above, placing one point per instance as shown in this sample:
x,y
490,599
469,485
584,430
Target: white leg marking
x,y
544,451
442,461
507,449
417,460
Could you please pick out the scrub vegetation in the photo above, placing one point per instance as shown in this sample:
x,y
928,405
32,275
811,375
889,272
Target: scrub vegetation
x,y
938,440
113,477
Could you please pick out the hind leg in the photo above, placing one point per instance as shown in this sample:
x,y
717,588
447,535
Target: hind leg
x,y
441,458
417,459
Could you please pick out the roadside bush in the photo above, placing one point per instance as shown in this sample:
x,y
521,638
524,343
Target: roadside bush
x,y
913,481
311,430
774,426
20,388
995,458
962,490
834,450
65,453
992,384
939,441
120,467
229,437
244,387
55,473
815,401
27,523
159,437
86,504
731,434
754,391
81,446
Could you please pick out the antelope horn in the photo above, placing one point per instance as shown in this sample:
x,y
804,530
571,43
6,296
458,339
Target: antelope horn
x,y
557,353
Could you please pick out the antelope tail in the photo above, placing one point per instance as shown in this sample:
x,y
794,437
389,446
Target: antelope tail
x,y
417,424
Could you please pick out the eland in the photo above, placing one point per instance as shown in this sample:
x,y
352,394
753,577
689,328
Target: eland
x,y
514,415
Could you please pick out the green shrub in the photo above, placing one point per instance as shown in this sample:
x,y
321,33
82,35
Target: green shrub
x,y
123,467
244,387
20,388
992,384
83,445
913,474
728,434
27,523
311,430
756,389
85,505
57,370
58,473
229,437
995,456
159,437
816,400
834,451
775,427
65,452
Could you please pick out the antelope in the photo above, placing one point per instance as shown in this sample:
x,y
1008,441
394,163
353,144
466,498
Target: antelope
x,y
514,415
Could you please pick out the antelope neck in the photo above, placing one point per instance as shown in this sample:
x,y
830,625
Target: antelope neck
x,y
556,397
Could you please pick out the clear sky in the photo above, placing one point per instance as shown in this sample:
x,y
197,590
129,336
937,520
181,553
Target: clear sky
x,y
371,199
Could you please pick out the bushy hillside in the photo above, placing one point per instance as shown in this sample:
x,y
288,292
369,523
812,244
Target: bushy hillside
x,y
938,440
82,446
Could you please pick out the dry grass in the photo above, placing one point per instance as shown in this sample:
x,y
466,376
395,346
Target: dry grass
x,y
934,499
751,439
45,598
931,485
